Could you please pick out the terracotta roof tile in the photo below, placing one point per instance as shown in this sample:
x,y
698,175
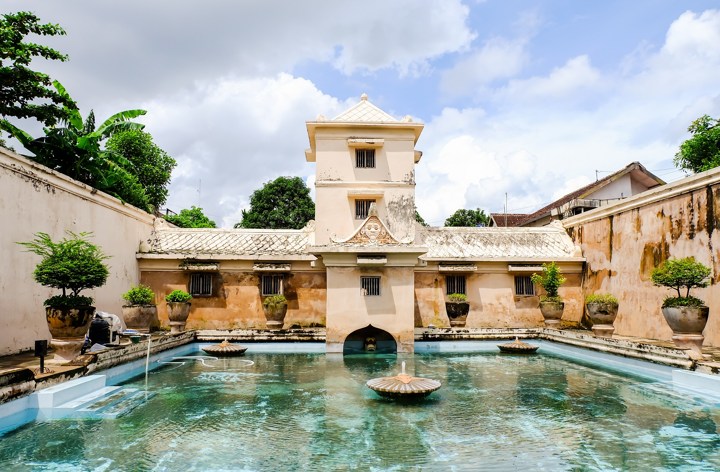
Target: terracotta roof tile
x,y
513,219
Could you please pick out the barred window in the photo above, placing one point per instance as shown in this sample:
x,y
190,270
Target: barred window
x,y
272,284
370,285
524,285
362,207
365,158
201,285
455,284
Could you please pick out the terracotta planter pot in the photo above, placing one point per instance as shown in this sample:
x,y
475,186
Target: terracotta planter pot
x,y
687,323
552,312
275,315
457,312
141,317
178,313
69,322
602,316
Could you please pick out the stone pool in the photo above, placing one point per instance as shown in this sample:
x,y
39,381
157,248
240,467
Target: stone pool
x,y
270,410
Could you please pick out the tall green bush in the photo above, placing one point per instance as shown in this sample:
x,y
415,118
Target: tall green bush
x,y
550,280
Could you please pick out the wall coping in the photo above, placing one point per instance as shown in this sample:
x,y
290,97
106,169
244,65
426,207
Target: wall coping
x,y
39,174
654,195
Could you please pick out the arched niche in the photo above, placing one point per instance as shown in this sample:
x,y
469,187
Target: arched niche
x,y
360,341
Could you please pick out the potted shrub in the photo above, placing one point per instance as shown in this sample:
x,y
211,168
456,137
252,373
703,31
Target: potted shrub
x,y
457,308
72,264
178,303
601,309
686,315
275,308
141,311
551,305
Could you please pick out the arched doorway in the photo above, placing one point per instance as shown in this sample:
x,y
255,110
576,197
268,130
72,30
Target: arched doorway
x,y
371,340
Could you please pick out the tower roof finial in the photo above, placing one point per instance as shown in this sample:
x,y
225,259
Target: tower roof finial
x,y
363,96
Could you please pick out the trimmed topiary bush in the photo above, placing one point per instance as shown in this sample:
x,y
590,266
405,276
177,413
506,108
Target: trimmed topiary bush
x,y
274,301
601,298
457,297
73,264
140,295
682,273
178,296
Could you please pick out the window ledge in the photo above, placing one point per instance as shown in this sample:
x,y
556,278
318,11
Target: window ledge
x,y
365,142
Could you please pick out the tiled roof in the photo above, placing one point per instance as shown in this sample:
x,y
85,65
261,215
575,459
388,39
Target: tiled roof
x,y
512,219
228,242
544,243
365,112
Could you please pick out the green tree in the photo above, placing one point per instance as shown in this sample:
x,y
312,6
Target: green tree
x,y
284,203
682,273
25,93
468,218
192,218
702,151
74,148
72,264
151,165
420,219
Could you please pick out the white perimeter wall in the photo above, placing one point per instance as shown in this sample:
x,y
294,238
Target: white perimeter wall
x,y
35,199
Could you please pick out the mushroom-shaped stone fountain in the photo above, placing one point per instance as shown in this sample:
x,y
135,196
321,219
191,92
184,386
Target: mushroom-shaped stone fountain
x,y
225,349
403,386
518,347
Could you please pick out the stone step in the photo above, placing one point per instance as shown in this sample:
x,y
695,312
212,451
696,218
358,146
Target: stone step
x,y
109,402
65,392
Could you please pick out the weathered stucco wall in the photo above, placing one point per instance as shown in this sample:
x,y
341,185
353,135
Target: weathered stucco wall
x,y
339,183
492,299
624,242
237,303
349,309
34,199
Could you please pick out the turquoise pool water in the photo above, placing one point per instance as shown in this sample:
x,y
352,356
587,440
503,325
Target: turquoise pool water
x,y
272,411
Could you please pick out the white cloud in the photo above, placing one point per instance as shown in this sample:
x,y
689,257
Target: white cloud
x,y
223,101
373,38
499,58
232,135
575,78
694,37
548,134
141,49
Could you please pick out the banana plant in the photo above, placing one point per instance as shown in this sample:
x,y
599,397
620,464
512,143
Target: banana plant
x,y
74,147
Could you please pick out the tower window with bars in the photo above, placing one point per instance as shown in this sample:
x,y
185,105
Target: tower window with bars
x,y
365,158
362,208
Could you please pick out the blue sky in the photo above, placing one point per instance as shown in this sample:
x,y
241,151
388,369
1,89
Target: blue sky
x,y
521,98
